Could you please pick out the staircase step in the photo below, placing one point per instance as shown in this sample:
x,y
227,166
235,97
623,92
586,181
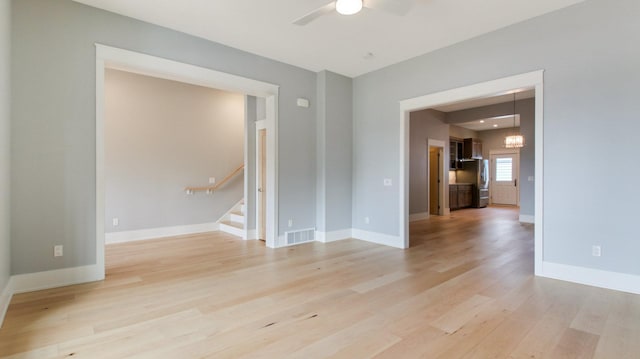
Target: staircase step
x,y
237,217
237,229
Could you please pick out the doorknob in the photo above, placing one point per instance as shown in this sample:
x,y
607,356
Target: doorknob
x,y
515,182
260,190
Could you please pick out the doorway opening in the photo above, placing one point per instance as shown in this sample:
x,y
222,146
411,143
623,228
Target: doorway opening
x,y
129,61
436,180
499,87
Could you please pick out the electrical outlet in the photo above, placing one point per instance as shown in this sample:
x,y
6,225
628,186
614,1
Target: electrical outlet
x,y
596,251
212,180
530,178
57,251
290,223
366,220
115,221
387,182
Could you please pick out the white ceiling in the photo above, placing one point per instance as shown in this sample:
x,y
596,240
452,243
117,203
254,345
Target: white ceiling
x,y
493,123
333,42
486,101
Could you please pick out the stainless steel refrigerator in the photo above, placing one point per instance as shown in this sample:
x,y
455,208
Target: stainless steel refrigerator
x,y
476,172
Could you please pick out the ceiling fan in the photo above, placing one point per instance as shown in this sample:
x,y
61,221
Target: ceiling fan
x,y
350,7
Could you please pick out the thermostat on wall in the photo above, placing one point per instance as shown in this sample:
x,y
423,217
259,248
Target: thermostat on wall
x,y
303,102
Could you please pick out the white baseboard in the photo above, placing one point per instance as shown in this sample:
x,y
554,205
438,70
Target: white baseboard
x,y
593,277
379,238
326,237
418,216
152,233
5,299
527,218
56,278
252,234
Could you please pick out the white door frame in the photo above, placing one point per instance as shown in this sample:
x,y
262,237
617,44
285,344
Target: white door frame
x,y
120,59
505,151
440,145
485,89
260,125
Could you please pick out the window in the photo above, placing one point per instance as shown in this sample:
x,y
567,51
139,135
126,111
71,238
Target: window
x,y
504,169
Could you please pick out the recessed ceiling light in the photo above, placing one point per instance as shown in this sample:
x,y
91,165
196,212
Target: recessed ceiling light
x,y
368,56
481,121
495,125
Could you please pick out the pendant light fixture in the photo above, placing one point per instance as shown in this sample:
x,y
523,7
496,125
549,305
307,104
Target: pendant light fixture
x,y
348,7
516,140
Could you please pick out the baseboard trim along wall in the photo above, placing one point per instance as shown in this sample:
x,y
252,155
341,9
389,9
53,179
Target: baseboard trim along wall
x,y
593,277
153,233
418,216
379,238
5,299
527,218
30,282
326,237
252,234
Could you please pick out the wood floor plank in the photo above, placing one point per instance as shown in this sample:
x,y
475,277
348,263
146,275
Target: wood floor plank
x,y
465,289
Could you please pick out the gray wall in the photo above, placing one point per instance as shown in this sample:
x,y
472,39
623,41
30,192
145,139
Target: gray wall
x,y
161,136
53,123
590,56
461,132
494,139
424,125
334,144
5,71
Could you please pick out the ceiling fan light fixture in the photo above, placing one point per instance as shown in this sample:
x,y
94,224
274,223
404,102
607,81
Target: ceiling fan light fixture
x,y
348,7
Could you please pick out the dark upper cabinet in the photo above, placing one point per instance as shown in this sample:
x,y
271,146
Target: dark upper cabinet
x,y
456,153
472,148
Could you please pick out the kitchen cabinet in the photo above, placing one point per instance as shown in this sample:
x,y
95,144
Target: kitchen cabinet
x,y
460,196
472,148
456,153
453,197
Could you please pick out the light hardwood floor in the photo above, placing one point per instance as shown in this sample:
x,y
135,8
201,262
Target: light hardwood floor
x,y
464,290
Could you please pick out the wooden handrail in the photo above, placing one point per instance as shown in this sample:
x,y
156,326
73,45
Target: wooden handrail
x,y
211,189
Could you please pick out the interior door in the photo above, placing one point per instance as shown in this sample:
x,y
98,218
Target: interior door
x,y
504,181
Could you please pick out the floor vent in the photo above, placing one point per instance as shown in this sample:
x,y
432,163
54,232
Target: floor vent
x,y
301,236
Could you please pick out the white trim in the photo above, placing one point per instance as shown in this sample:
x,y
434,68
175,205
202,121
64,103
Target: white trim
x,y
111,57
504,151
261,125
56,278
527,218
252,234
5,299
441,145
418,216
594,277
326,237
378,238
489,88
161,232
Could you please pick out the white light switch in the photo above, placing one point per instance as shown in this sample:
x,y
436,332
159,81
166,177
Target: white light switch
x,y
387,182
57,251
302,102
212,180
115,222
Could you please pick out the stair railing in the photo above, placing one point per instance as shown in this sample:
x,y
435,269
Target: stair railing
x,y
211,189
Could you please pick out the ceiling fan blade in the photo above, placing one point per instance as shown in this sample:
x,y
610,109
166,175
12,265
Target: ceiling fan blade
x,y
396,7
316,14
